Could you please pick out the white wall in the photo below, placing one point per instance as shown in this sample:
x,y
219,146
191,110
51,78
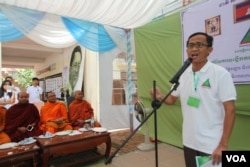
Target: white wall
x,y
91,81
60,60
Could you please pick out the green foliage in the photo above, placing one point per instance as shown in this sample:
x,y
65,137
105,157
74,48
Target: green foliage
x,y
24,77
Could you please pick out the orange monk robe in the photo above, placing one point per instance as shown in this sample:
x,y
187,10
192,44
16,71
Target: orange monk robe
x,y
52,111
81,109
4,138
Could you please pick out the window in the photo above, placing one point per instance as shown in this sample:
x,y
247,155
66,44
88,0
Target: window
x,y
120,79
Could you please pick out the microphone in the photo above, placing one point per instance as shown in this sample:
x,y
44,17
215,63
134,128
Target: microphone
x,y
183,68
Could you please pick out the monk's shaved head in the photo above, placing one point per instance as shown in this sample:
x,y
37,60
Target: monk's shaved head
x,y
23,97
51,97
22,93
77,92
78,95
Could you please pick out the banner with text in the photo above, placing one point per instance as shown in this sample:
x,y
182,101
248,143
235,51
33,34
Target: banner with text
x,y
228,21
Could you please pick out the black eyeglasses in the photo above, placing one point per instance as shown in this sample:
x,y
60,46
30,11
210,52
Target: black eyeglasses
x,y
197,45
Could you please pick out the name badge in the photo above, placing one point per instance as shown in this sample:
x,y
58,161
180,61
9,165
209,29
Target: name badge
x,y
193,102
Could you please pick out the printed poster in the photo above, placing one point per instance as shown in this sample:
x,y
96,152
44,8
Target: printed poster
x,y
228,21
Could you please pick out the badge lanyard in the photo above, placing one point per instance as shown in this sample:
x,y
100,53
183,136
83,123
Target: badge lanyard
x,y
196,80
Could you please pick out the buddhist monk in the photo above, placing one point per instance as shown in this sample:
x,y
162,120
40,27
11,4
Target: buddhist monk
x,y
22,119
80,110
4,138
54,115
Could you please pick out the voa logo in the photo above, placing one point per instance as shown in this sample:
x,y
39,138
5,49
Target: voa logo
x,y
236,158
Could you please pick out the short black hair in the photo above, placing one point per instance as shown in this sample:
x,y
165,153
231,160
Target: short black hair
x,y
35,78
8,77
208,37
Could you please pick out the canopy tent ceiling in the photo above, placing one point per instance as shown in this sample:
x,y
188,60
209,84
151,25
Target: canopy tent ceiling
x,y
111,14
118,13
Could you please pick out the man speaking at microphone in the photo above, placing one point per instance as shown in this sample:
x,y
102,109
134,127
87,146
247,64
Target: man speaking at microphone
x,y
207,94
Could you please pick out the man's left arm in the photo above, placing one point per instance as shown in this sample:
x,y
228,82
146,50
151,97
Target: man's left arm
x,y
227,130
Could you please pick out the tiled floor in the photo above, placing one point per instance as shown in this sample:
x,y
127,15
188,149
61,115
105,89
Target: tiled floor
x,y
131,156
168,156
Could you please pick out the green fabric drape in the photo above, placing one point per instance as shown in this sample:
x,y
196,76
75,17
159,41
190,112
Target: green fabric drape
x,y
159,56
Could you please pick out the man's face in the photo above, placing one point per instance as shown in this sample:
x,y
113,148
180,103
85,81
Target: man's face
x,y
23,97
35,82
51,97
74,69
200,51
78,95
9,79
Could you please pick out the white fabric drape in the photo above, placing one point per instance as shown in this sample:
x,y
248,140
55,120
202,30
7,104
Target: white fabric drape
x,y
51,32
45,29
118,35
118,13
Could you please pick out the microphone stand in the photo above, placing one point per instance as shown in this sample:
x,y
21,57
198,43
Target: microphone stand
x,y
155,104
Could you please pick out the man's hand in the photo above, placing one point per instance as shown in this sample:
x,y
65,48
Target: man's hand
x,y
217,154
157,92
22,129
58,121
80,121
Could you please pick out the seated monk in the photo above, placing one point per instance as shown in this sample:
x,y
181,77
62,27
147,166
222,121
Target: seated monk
x,y
22,119
80,110
54,115
4,138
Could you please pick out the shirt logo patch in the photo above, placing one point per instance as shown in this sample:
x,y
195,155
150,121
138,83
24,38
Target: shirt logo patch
x,y
206,84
